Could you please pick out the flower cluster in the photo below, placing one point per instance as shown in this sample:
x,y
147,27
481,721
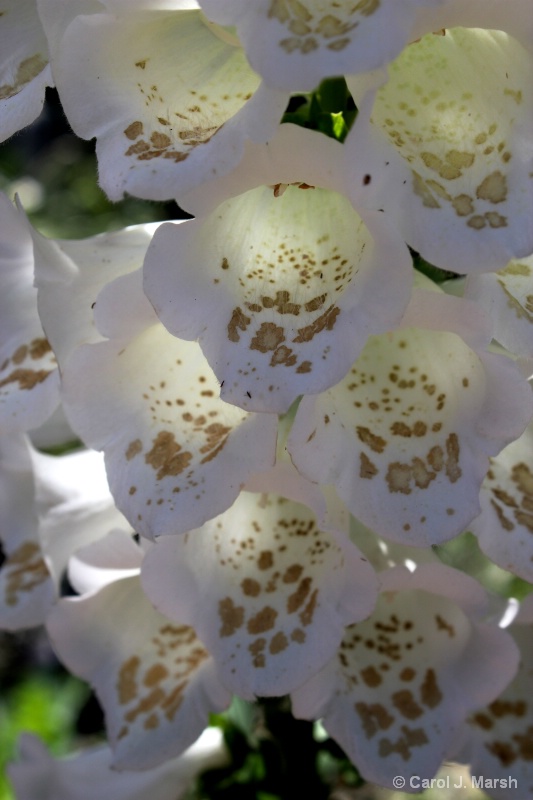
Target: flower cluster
x,y
293,417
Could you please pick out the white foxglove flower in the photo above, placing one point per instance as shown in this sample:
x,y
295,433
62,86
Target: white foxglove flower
x,y
402,683
176,454
169,98
498,739
294,44
29,382
27,592
265,585
505,526
508,297
279,278
51,506
447,143
406,436
36,775
153,677
24,68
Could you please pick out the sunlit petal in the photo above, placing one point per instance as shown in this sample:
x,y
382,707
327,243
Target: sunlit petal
x,y
449,148
266,589
404,680
406,436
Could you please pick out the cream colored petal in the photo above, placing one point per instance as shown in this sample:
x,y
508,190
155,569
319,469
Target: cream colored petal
x,y
169,102
153,677
508,297
268,591
451,145
294,44
403,681
409,430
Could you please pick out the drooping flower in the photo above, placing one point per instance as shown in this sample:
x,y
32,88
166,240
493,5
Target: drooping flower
x,y
508,297
24,68
170,99
505,526
29,382
50,506
406,436
498,741
294,44
402,683
269,586
279,278
36,775
176,454
447,142
153,677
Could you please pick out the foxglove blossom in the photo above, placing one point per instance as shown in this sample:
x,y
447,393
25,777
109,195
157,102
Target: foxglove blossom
x,y
409,430
281,586
29,382
51,505
295,44
170,99
283,280
496,740
508,297
447,143
24,68
26,588
38,776
154,678
175,453
403,681
505,526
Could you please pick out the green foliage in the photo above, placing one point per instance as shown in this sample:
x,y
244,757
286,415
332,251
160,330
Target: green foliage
x,y
45,706
329,110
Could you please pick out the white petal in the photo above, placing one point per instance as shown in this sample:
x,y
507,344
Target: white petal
x,y
505,525
29,390
176,454
449,141
294,45
281,285
266,589
169,102
70,275
154,679
409,430
507,296
27,591
499,746
37,776
24,70
404,680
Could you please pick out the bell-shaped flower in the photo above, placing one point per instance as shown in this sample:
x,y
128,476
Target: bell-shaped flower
x,y
268,585
29,383
24,68
170,97
176,454
403,681
283,282
508,297
154,679
36,775
498,741
294,44
447,144
505,526
406,436
51,506
26,588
